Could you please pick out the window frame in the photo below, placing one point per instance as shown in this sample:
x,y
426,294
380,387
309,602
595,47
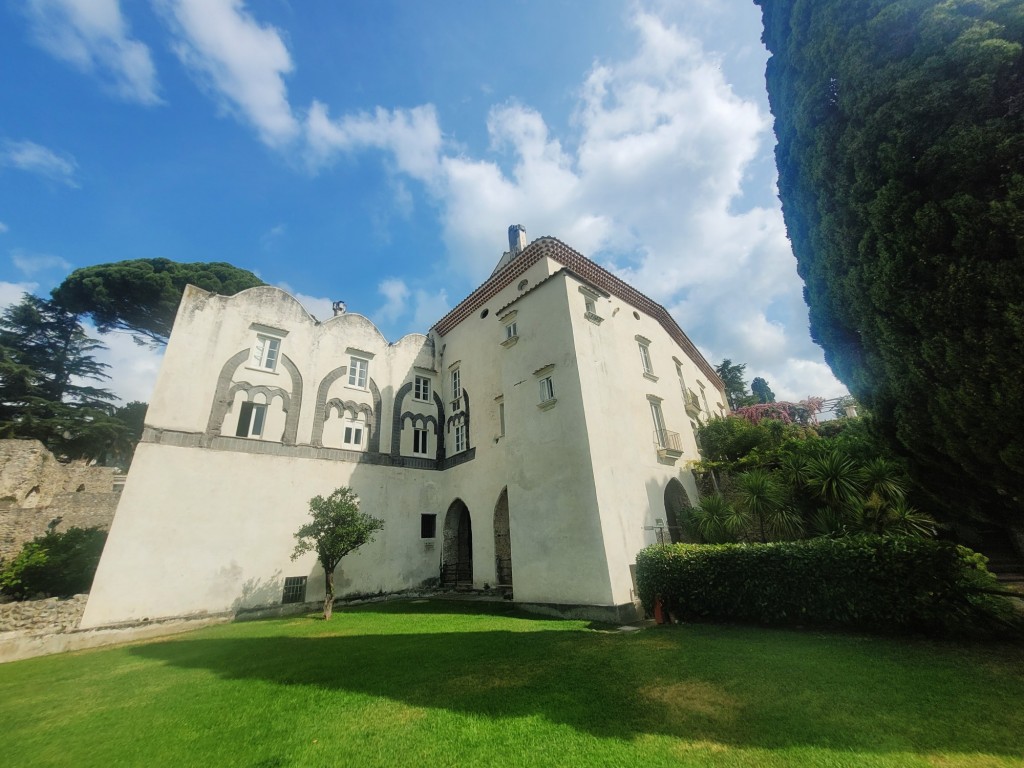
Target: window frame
x,y
456,379
547,389
419,435
356,425
266,351
421,387
358,372
461,437
254,416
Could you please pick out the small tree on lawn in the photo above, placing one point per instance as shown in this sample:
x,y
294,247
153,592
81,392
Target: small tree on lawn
x,y
337,528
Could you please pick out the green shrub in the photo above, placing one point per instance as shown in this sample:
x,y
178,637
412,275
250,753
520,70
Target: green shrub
x,y
899,584
54,564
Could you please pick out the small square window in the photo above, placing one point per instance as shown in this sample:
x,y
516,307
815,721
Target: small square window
x,y
252,417
511,331
460,438
590,304
357,369
547,389
265,352
419,442
421,389
428,526
294,589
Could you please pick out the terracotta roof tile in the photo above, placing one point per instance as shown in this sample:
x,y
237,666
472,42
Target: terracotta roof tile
x,y
558,251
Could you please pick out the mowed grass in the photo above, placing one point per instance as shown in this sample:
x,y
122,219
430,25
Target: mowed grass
x,y
436,683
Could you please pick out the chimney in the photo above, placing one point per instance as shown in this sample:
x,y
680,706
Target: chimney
x,y
516,239
338,307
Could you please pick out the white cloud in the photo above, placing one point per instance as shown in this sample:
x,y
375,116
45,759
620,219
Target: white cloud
x,y
411,136
93,36
3,228
35,158
317,306
11,293
133,367
430,306
396,298
241,62
30,263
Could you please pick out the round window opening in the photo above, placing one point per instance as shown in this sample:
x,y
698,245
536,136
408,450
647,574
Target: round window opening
x,y
484,313
636,315
523,284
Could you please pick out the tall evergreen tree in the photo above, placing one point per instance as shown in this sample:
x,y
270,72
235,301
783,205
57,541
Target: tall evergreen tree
x,y
46,362
735,386
761,391
900,127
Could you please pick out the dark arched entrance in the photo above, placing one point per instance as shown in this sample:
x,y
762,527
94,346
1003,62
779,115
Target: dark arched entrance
x,y
676,504
457,547
502,542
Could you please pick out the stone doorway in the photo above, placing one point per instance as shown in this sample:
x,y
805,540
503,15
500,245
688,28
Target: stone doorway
x,y
676,504
457,547
502,543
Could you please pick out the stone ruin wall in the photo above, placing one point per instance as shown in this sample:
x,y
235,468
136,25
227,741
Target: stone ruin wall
x,y
35,488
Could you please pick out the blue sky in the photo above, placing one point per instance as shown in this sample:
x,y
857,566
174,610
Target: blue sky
x,y
376,152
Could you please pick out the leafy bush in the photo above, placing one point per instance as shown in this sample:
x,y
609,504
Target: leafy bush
x,y
54,564
900,584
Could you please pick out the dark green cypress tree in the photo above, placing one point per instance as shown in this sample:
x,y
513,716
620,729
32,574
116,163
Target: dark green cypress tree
x,y
900,127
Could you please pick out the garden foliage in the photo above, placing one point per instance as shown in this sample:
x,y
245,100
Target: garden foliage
x,y
56,564
900,127
889,584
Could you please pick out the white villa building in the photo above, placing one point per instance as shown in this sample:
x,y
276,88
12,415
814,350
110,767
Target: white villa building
x,y
534,440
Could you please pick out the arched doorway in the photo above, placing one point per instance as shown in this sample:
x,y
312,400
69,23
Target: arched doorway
x,y
676,504
457,547
502,542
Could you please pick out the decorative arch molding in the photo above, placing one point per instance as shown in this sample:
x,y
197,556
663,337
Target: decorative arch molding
x,y
439,404
396,424
322,409
348,406
420,420
226,389
461,417
259,389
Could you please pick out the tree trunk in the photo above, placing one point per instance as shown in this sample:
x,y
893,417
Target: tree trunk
x,y
329,599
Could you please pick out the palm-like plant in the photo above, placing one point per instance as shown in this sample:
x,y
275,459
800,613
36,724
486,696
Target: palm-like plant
x,y
884,478
836,480
709,519
761,498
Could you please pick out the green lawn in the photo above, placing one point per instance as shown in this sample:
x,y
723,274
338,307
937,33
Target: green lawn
x,y
434,683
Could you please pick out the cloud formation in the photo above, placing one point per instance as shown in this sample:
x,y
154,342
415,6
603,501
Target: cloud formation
x,y
93,36
30,264
35,158
239,61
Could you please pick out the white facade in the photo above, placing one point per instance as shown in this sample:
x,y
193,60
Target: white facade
x,y
536,439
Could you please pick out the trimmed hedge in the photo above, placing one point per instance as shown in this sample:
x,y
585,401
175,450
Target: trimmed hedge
x,y
899,584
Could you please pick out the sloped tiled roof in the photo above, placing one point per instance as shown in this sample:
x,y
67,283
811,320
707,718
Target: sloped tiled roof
x,y
558,251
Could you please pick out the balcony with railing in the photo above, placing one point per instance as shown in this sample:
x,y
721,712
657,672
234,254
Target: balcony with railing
x,y
668,443
692,404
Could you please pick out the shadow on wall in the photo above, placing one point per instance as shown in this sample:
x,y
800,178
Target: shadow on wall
x,y
259,593
674,680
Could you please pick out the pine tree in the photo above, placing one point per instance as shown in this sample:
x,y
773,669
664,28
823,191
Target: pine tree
x,y
46,360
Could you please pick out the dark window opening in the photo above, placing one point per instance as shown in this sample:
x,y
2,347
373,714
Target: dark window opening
x,y
428,526
294,589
